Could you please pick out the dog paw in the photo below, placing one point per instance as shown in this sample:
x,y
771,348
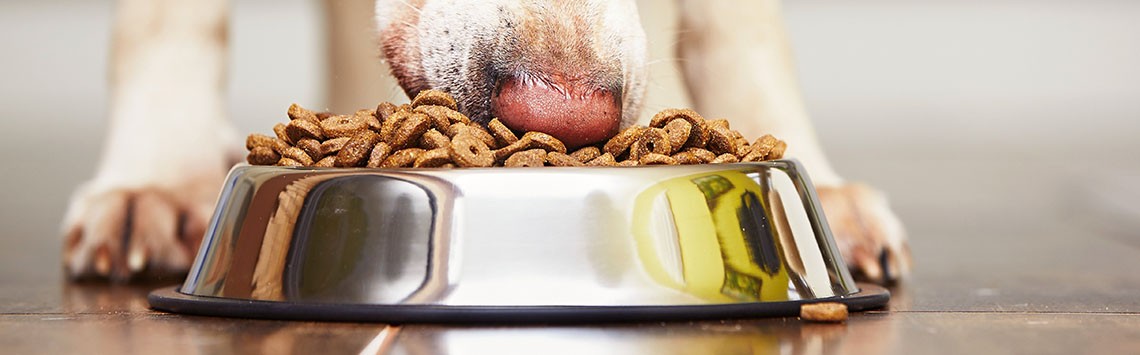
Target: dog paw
x,y
128,233
868,234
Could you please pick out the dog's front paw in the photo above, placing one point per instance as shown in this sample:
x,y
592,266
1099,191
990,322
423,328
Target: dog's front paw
x,y
868,233
121,233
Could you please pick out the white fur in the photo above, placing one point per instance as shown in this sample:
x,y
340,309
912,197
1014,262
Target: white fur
x,y
169,139
737,62
623,17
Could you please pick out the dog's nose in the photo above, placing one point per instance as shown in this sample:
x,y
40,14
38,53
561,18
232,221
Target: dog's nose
x,y
574,111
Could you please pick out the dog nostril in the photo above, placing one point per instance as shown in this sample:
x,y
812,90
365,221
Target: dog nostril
x,y
576,113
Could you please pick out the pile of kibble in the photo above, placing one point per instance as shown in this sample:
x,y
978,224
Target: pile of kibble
x,y
430,133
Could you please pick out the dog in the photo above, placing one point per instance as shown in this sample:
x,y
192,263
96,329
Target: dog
x,y
573,69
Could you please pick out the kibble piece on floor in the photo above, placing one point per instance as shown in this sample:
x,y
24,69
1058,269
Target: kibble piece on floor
x,y
824,312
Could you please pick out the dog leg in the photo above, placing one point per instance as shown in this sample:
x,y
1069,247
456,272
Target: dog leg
x,y
168,145
737,62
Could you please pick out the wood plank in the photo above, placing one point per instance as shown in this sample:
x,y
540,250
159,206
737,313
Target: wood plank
x,y
900,333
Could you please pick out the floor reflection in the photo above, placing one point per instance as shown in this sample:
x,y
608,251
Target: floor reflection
x,y
115,319
87,297
865,333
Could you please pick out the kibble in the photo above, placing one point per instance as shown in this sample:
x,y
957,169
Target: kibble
x,y
527,158
652,140
334,145
297,130
288,162
562,159
357,150
434,97
379,154
296,112
470,152
586,154
326,162
298,155
262,156
402,158
259,140
432,139
312,147
502,134
430,133
344,126
824,312
606,159
433,158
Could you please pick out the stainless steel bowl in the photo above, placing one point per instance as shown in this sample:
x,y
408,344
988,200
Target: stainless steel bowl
x,y
517,244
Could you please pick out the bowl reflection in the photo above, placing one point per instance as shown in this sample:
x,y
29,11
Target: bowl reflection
x,y
536,238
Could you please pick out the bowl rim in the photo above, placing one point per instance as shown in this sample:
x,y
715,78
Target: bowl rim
x,y
169,299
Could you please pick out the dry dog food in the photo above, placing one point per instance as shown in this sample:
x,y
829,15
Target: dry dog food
x,y
430,133
824,312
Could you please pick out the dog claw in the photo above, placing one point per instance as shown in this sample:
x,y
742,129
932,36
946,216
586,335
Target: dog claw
x,y
869,268
122,234
885,262
136,259
102,261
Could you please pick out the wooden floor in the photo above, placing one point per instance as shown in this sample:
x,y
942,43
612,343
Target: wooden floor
x,y
1012,258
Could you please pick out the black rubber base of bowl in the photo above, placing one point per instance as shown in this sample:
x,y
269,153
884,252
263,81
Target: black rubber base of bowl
x,y
170,300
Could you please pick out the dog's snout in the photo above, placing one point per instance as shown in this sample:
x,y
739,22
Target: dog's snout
x,y
576,111
571,69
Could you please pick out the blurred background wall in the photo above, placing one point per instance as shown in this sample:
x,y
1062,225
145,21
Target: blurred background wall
x,y
1036,98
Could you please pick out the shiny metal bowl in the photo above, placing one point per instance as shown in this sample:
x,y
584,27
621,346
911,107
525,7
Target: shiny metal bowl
x,y
517,244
